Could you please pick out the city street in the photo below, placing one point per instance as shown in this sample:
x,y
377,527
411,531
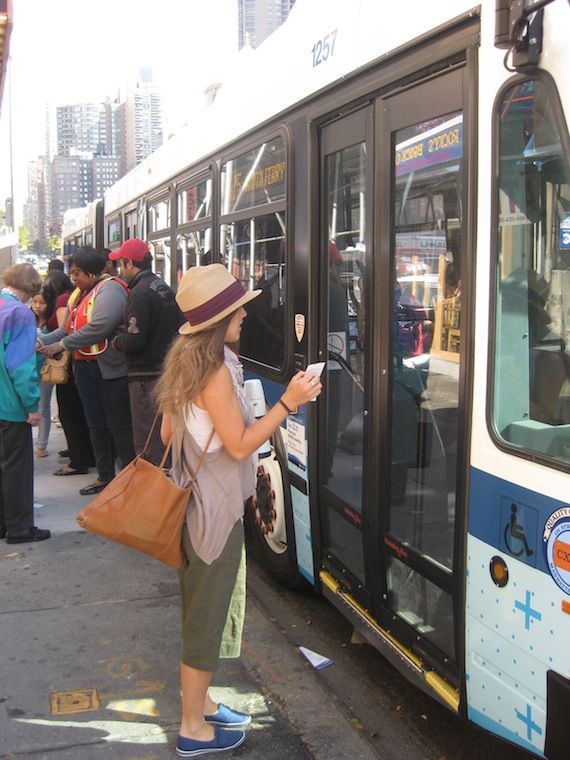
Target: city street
x,y
90,656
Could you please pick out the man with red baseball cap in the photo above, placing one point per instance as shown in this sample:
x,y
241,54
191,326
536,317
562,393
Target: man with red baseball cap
x,y
152,319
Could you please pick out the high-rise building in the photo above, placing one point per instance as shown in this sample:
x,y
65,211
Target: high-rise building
x,y
36,209
143,120
77,128
71,184
257,19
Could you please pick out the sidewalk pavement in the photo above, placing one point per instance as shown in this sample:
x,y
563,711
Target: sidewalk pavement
x,y
89,662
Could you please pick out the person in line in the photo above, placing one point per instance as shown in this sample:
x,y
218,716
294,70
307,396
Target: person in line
x,y
19,400
94,312
202,397
70,409
55,265
152,320
110,263
43,304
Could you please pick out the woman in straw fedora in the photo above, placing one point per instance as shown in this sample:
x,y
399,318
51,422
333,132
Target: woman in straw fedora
x,y
202,397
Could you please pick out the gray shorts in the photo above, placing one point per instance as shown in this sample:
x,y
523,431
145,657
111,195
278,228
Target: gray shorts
x,y
213,603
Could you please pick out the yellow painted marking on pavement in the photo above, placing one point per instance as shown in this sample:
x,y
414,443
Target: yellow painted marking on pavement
x,y
141,687
76,701
119,667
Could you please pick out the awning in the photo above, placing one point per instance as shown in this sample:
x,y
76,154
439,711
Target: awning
x,y
5,32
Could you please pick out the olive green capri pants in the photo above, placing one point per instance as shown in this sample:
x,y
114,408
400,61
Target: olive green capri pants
x,y
213,603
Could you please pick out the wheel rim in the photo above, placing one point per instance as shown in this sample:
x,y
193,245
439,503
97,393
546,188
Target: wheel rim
x,y
269,505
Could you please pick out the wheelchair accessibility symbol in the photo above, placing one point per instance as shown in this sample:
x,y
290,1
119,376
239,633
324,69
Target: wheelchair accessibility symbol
x,y
518,528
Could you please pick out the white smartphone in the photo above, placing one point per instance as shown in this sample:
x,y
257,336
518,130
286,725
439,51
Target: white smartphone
x,y
315,370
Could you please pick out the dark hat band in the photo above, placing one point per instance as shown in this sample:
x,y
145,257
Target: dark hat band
x,y
215,305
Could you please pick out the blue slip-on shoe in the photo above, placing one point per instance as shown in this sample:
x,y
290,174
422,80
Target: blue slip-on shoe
x,y
228,718
222,741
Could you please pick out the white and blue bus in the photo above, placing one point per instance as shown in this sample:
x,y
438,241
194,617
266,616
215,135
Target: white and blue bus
x,y
82,226
398,185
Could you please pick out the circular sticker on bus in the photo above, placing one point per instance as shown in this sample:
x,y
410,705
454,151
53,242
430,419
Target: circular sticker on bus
x,y
556,538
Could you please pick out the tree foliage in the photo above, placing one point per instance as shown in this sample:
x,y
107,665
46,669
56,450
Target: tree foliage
x,y
24,238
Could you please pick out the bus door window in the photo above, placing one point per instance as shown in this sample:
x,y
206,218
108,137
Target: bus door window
x,y
531,389
342,257
426,262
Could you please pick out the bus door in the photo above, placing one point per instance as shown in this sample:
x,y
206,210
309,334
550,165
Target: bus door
x,y
345,182
391,435
419,412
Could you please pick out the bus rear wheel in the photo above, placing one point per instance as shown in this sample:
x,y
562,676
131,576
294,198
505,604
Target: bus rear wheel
x,y
269,520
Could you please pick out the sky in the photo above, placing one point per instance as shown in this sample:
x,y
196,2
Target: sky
x,y
72,51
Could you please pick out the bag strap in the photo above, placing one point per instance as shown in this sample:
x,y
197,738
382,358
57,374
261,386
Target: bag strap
x,y
169,446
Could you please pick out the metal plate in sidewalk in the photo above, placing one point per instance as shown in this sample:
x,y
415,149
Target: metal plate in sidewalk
x,y
76,701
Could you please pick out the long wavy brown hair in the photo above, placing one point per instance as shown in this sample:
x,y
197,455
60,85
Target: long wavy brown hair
x,y
190,362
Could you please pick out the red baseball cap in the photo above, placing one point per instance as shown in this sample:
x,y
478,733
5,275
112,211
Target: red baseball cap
x,y
134,249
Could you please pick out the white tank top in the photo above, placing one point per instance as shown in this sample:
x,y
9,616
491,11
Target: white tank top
x,y
199,425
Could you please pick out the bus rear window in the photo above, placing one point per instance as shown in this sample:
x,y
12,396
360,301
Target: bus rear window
x,y
531,382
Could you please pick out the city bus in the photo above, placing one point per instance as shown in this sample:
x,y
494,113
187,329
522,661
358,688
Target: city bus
x,y
397,184
82,226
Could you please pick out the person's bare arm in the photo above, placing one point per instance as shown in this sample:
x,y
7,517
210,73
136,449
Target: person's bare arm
x,y
166,428
218,398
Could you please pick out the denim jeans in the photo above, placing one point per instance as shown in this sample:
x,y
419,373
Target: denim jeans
x,y
44,427
108,414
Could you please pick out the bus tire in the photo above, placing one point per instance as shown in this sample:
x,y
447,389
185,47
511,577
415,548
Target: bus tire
x,y
269,518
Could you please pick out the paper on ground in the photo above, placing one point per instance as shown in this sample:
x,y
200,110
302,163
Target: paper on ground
x,y
316,660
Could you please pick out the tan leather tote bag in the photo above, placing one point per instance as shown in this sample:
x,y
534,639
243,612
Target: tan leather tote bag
x,y
143,508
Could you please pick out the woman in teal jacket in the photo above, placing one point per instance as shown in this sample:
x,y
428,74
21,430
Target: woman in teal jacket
x,y
19,399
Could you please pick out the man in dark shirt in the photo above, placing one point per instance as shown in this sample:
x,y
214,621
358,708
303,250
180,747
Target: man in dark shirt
x,y
152,319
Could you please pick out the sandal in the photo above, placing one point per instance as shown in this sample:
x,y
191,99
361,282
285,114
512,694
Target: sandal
x,y
41,453
64,472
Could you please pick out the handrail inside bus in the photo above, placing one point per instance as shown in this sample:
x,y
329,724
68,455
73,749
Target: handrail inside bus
x,y
346,367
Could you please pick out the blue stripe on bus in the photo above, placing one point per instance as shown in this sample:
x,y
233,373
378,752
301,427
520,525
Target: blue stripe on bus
x,y
496,728
509,517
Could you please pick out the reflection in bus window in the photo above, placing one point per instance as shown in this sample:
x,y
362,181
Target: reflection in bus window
x,y
531,393
255,178
194,202
426,343
131,225
160,249
254,252
193,248
159,215
114,231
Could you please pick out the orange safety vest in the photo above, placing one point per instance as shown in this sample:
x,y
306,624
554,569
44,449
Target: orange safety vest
x,y
80,314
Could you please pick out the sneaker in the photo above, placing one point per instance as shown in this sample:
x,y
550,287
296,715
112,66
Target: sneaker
x,y
228,718
31,534
222,741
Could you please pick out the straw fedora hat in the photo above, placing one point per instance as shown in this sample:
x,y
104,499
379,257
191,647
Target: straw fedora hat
x,y
208,294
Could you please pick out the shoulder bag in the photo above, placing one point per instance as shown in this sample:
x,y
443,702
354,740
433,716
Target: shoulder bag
x,y
143,508
56,370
